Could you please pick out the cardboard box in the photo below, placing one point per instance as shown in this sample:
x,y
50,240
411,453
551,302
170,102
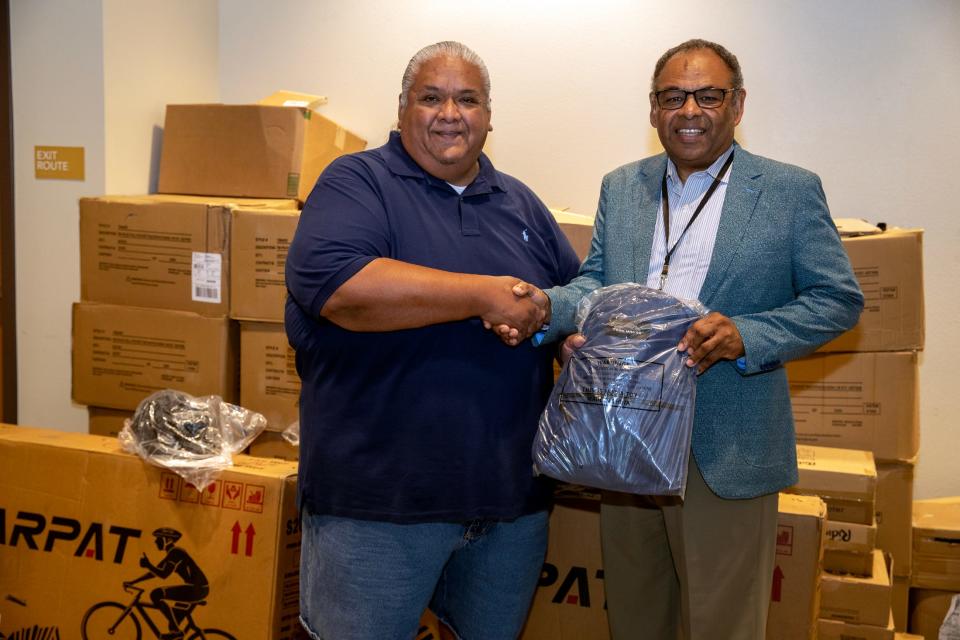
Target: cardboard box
x,y
256,151
900,601
123,354
928,608
864,401
569,603
259,243
895,513
855,563
848,536
856,599
889,268
578,229
846,479
795,595
77,515
936,544
168,252
269,383
837,630
271,444
106,422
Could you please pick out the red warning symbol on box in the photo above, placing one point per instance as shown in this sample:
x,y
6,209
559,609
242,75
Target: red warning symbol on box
x,y
169,485
232,495
253,498
212,494
784,540
189,493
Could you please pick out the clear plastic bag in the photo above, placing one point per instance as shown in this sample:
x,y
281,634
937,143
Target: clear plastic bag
x,y
193,437
292,434
620,416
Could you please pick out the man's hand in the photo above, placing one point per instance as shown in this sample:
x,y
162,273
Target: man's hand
x,y
709,339
573,342
512,335
512,316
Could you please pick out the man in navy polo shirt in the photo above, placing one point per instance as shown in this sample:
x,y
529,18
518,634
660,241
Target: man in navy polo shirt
x,y
416,424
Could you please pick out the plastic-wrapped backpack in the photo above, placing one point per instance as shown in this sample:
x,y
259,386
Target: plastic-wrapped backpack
x,y
620,416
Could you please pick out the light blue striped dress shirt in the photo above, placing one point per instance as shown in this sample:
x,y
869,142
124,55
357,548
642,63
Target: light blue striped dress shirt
x,y
691,259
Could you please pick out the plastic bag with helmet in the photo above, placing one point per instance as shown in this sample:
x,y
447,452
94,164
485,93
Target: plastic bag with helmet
x,y
194,437
620,416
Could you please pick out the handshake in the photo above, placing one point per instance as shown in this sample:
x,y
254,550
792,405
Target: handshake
x,y
516,310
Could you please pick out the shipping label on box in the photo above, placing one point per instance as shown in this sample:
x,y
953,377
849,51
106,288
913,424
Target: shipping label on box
x,y
795,595
259,242
162,251
889,268
858,599
569,603
866,401
846,479
895,513
269,383
123,354
77,526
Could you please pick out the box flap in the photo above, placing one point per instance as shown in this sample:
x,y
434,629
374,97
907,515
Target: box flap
x,y
294,99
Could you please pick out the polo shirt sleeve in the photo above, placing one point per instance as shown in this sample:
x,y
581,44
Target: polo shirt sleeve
x,y
342,228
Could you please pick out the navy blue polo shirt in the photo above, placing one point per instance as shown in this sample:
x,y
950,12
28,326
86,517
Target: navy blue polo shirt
x,y
426,424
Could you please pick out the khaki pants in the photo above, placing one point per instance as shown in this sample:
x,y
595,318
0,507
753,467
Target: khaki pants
x,y
698,570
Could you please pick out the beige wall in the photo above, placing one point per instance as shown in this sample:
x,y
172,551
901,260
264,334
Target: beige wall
x,y
94,74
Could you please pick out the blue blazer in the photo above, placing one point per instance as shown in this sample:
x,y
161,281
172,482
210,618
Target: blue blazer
x,y
779,272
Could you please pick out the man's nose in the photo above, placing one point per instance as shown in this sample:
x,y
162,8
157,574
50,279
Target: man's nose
x,y
449,110
690,107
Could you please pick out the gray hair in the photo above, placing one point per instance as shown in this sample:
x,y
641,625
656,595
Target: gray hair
x,y
445,49
692,45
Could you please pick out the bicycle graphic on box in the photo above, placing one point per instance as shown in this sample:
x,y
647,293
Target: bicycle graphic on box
x,y
174,603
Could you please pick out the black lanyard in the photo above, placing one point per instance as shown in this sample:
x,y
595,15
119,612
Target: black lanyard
x,y
666,216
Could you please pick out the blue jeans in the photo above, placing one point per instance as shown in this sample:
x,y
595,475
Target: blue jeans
x,y
369,580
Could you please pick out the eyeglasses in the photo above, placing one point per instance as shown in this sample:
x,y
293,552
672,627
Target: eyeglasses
x,y
708,98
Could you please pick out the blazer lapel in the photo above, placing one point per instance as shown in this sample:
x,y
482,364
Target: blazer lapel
x,y
740,202
646,199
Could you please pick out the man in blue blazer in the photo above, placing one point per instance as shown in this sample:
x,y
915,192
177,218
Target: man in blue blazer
x,y
753,240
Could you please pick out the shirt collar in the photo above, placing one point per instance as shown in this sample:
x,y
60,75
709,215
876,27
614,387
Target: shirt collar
x,y
400,163
711,171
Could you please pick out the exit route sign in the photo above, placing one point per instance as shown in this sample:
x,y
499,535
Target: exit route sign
x,y
58,163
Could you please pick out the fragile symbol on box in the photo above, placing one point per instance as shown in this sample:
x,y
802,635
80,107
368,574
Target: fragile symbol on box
x,y
232,495
784,540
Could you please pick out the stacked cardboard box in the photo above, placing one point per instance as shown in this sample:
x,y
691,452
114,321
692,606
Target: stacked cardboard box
x,y
856,586
67,546
935,580
269,383
795,594
154,283
861,391
165,277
